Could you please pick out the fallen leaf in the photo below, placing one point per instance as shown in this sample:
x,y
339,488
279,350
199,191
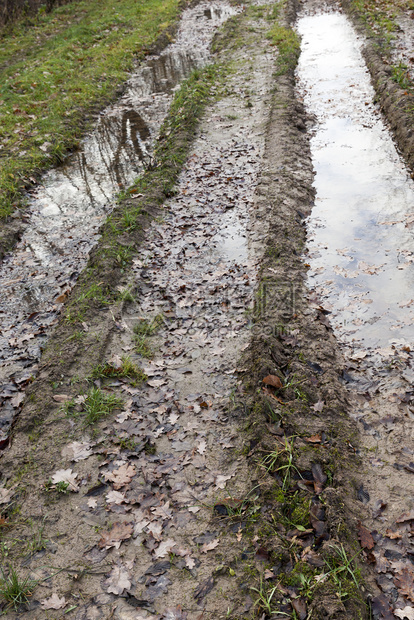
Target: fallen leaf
x,y
119,579
54,602
17,400
189,562
405,583
66,475
210,546
407,612
274,381
117,533
406,516
314,439
77,451
201,448
221,480
318,406
121,476
92,502
115,497
365,537
164,548
6,495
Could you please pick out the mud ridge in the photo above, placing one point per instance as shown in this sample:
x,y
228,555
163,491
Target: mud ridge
x,y
293,341
395,102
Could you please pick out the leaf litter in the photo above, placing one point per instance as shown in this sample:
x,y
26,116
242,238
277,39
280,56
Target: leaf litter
x,y
147,480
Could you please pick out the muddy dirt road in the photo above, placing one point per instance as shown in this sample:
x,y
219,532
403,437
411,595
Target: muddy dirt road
x,y
207,395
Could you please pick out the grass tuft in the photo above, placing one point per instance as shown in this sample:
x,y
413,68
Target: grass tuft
x,y
16,590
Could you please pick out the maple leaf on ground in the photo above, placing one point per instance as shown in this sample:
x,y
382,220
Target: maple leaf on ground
x,y
54,602
406,613
120,477
119,579
66,475
117,533
92,502
210,546
405,583
164,548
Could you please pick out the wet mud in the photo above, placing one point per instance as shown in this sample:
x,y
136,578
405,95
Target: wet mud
x,y
66,213
181,552
360,251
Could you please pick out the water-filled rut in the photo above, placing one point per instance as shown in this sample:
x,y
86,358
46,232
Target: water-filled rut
x,y
361,256
66,212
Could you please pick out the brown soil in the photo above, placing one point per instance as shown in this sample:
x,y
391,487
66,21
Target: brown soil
x,y
308,410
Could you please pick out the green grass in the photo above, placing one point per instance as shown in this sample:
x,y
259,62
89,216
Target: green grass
x,y
127,369
288,44
16,590
97,405
57,66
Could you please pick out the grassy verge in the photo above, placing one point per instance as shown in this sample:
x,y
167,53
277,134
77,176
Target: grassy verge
x,y
57,67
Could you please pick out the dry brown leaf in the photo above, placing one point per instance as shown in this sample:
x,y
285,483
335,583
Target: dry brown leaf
x,y
405,583
210,546
365,537
66,475
164,548
406,516
115,497
61,398
314,439
406,613
318,406
119,579
274,381
202,446
120,477
54,602
6,495
117,533
77,451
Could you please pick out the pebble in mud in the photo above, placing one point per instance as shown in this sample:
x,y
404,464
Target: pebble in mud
x,y
360,240
65,213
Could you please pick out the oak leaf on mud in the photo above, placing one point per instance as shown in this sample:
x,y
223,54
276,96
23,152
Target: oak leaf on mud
x,y
405,583
406,516
164,548
66,475
53,602
210,546
117,533
274,381
120,477
406,613
119,579
6,495
77,451
365,537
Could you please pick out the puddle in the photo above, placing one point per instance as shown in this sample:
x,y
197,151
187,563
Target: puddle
x,y
66,212
361,256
